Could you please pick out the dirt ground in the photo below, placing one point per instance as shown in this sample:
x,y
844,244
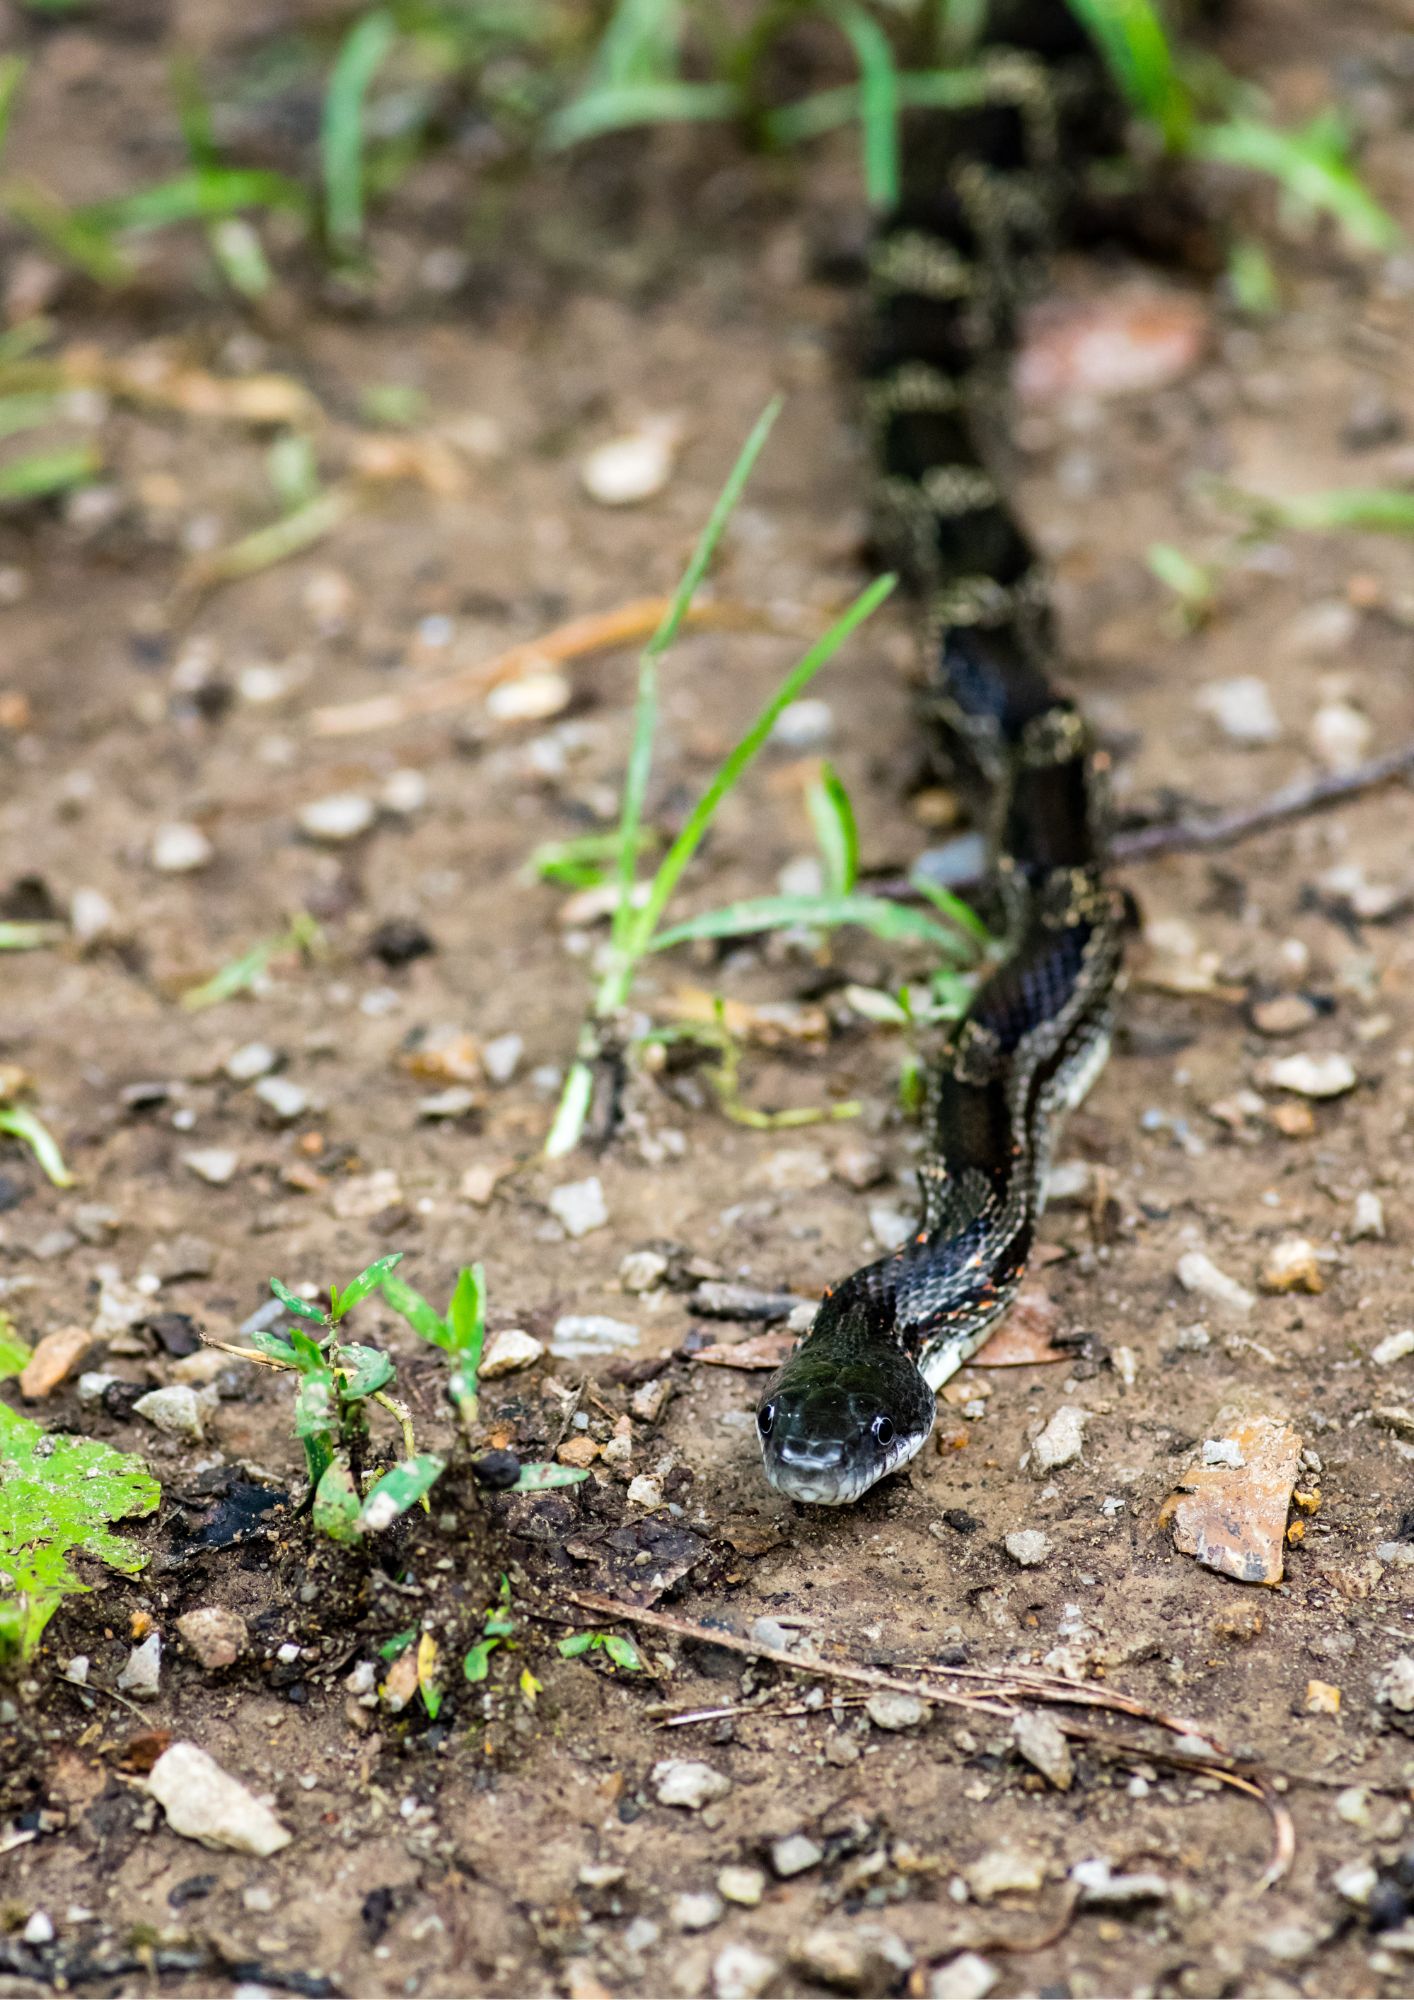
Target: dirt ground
x,y
511,1848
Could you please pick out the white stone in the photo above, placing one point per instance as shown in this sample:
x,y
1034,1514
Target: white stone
x,y
577,1336
1393,1348
642,1270
1199,1274
1028,1546
1242,709
795,1854
793,1170
203,1802
682,1781
740,1972
741,1885
500,1058
804,725
887,1709
1003,1871
1395,1685
1041,1742
453,1102
1223,1451
510,1349
1369,1218
1340,735
633,468
1060,1442
213,1164
142,1674
1355,1882
91,916
284,1098
644,1491
1101,1888
39,1929
175,1410
92,1383
530,697
579,1206
251,1060
404,793
180,849
337,817
966,1977
696,1910
1313,1076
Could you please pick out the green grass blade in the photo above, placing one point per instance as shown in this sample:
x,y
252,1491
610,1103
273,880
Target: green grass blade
x,y
836,830
646,706
193,111
616,107
20,936
640,42
12,70
25,411
878,102
916,90
1133,41
17,1121
1311,166
670,869
205,194
341,138
1383,509
41,474
68,232
898,923
954,909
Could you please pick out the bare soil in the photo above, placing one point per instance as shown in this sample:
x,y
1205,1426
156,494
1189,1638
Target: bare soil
x,y
512,1847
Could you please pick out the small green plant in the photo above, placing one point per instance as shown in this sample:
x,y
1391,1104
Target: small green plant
x,y
58,1497
243,974
21,1122
496,1630
618,1651
638,929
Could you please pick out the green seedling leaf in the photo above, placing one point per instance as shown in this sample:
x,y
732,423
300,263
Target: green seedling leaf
x,y
541,1477
953,908
477,1663
16,936
836,830
244,972
399,1643
498,1625
421,1316
19,1122
301,1308
206,194
335,1510
240,257
616,107
362,1371
75,239
274,1346
14,1352
293,470
1252,281
1132,39
623,1653
341,139
42,474
577,1643
359,1288
878,101
1194,584
581,864
27,409
1310,165
290,536
876,1005
398,1490
57,1496
895,922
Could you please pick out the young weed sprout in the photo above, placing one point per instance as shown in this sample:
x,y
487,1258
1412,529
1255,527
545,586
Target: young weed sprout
x,y
336,1380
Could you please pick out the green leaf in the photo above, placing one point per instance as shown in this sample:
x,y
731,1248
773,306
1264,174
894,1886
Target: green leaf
x,y
358,1289
498,1625
29,1128
399,1643
878,101
274,1346
623,1653
398,1490
12,70
41,474
895,922
539,1478
90,249
1311,166
57,1496
1131,37
477,1664
362,1371
341,137
466,1316
205,194
422,1317
577,1643
301,1308
672,101
316,1408
14,1353
16,936
240,974
335,1510
836,830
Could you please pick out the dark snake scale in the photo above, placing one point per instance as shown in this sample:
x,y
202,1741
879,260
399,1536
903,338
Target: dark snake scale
x,y
988,190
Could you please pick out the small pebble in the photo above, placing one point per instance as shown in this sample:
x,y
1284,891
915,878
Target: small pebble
x,y
889,1710
1198,1273
1242,709
500,1057
530,697
794,1170
337,818
966,1977
39,1930
1355,1882
1004,1871
509,1350
1100,1888
745,1886
1028,1547
888,1225
215,1165
205,1803
175,1410
696,1911
251,1060
859,1165
216,1635
1340,735
1369,1218
853,1958
632,468
1394,1347
142,1675
1313,1076
54,1359
404,793
642,1270
645,1491
1285,1014
180,849
1038,1738
804,725
1223,1451
681,1781
579,1206
282,1097
182,1257
1293,1266
91,916
577,1336
741,1972
795,1855
453,1102
1060,1442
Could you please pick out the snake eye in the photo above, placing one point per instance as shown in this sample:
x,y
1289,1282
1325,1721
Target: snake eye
x,y
883,1429
765,1419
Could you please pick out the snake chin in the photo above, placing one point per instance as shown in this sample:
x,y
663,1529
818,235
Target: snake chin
x,y
826,1444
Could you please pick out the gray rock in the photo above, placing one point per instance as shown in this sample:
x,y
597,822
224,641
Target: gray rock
x,y
142,1674
966,1977
1060,1442
213,1164
745,1886
205,1803
697,1910
642,1270
680,1781
337,818
1004,1871
510,1349
251,1060
1039,1740
578,1336
500,1058
794,1854
853,1958
1028,1547
579,1206
740,1972
180,849
284,1099
217,1635
183,1257
888,1710
175,1410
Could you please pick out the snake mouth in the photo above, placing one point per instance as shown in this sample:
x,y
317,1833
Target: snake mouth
x,y
828,1473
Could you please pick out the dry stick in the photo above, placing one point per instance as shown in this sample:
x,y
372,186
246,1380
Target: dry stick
x,y
1001,1703
1222,829
596,633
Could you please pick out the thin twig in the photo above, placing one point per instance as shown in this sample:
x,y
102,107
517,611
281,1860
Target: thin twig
x,y
1222,829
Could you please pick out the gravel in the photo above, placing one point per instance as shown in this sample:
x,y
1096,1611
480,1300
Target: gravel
x,y
180,849
205,1803
1028,1547
681,1781
579,1206
795,1854
337,818
1060,1442
580,1335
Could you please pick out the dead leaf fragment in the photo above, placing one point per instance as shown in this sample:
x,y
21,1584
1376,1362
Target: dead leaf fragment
x,y
1120,343
1026,1337
55,1358
759,1350
1230,1512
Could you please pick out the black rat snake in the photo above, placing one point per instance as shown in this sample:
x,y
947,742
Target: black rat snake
x,y
986,192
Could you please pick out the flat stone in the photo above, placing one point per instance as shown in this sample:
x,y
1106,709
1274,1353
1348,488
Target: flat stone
x,y
741,1972
682,1781
1394,1347
1330,1075
180,849
741,1885
1028,1547
1368,1220
337,818
1197,1273
142,1674
1242,709
793,1170
1340,735
453,1102
696,1910
283,1098
530,697
1005,1871
1039,1739
216,1635
795,1854
579,1206
853,1958
1060,1442
204,1803
500,1057
889,1710
966,1977
579,1336
1293,1266
1101,1889
1232,1515
630,469
510,1349
175,1410
1394,1685
642,1270
215,1165
251,1060
54,1359
804,725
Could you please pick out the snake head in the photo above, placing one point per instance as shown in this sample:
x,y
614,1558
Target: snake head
x,y
841,1414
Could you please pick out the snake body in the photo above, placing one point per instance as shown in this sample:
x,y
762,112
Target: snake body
x,y
987,191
